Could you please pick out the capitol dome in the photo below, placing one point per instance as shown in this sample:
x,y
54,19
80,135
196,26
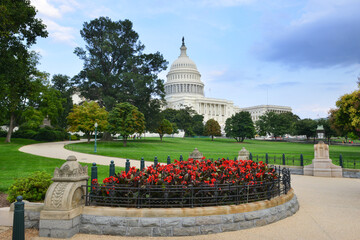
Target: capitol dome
x,y
183,77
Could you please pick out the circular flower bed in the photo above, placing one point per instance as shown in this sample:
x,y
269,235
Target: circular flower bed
x,y
189,183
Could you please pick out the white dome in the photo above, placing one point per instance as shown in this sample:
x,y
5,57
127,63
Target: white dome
x,y
183,77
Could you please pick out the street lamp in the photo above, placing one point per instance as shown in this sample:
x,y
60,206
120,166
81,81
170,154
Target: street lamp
x,y
96,125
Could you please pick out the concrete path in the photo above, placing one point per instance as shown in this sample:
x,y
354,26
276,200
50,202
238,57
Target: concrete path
x,y
57,150
329,207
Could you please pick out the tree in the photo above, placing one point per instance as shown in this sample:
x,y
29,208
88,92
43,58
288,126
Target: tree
x,y
306,127
198,124
165,127
63,84
182,117
116,69
345,119
240,126
276,124
212,128
83,118
18,31
126,120
329,131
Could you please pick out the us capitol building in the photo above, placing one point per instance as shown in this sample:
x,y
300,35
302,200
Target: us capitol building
x,y
185,88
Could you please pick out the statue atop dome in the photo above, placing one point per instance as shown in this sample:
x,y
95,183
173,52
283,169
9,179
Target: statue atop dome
x,y
183,41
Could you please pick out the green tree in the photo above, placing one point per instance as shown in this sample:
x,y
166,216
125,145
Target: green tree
x,y
240,126
117,70
165,127
63,84
18,31
306,127
83,118
329,131
182,117
198,124
345,119
276,124
212,128
126,120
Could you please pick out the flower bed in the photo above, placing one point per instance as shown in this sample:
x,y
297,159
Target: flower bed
x,y
190,183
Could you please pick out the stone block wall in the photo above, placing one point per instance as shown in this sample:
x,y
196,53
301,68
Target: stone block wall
x,y
185,226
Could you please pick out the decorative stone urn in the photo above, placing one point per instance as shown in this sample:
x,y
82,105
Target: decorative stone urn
x,y
322,165
243,154
64,201
196,155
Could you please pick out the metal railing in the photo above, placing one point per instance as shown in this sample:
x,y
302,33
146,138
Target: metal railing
x,y
171,196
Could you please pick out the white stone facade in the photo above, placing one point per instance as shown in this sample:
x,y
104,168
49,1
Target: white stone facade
x,y
185,88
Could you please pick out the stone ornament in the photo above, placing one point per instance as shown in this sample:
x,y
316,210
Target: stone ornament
x,y
196,155
71,171
243,154
322,165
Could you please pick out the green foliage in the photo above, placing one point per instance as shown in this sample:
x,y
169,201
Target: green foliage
x,y
240,126
32,188
126,120
212,128
276,124
116,69
83,118
183,118
329,131
306,127
165,127
198,125
345,119
47,134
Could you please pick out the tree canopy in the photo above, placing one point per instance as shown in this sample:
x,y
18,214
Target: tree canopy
x,y
240,126
276,124
306,127
165,127
117,70
83,118
125,119
212,128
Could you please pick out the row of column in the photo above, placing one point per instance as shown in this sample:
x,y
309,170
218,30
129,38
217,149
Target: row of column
x,y
184,88
212,109
183,76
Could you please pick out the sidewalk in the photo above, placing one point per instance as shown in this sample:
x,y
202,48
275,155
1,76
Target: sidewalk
x,y
57,150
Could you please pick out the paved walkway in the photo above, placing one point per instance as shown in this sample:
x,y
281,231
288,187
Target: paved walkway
x,y
329,207
57,150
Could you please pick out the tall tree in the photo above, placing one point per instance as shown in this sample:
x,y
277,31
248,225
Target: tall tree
x,y
116,69
19,29
345,119
212,128
165,127
306,127
126,120
198,125
276,124
240,126
83,118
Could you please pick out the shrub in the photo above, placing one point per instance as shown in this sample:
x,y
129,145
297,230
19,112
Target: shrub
x,y
3,133
31,188
42,134
75,137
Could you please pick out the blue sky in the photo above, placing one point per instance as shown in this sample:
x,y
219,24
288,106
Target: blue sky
x,y
302,54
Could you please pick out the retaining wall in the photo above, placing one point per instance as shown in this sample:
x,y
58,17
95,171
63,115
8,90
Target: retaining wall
x,y
168,221
347,172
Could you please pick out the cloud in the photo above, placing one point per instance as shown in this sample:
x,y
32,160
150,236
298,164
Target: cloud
x,y
46,9
277,85
326,34
60,33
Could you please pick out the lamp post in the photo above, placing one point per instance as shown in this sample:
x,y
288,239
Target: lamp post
x,y
96,125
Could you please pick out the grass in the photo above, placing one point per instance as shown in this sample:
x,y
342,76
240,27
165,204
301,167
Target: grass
x,y
15,164
151,147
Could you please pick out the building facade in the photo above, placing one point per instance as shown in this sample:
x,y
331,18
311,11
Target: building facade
x,y
185,88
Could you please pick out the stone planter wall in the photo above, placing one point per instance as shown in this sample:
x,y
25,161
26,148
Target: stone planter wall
x,y
347,172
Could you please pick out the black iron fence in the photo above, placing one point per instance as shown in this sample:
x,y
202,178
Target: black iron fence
x,y
170,196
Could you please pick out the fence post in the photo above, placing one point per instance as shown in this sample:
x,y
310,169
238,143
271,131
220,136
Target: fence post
x,y
235,158
142,164
341,160
283,159
112,168
19,220
94,174
250,156
127,166
168,160
301,160
267,158
155,162
181,158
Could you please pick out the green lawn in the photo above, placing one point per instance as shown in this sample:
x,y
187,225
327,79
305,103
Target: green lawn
x,y
151,147
14,164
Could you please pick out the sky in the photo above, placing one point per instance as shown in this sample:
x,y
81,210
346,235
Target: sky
x,y
304,54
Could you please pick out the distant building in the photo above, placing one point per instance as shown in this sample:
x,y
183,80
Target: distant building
x,y
185,88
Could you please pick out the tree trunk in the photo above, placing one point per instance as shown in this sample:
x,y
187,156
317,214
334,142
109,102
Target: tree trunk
x,y
124,141
11,128
88,138
161,137
212,137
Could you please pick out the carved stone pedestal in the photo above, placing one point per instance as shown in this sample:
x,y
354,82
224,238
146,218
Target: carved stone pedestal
x,y
322,165
63,204
196,155
243,154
